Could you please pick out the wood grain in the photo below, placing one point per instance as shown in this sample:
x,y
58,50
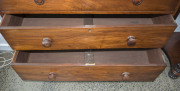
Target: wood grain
x,y
27,33
108,67
89,6
116,57
86,12
1,14
93,73
172,48
101,36
80,38
177,10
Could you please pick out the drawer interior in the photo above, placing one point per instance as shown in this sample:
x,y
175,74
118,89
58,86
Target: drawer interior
x,y
85,19
142,57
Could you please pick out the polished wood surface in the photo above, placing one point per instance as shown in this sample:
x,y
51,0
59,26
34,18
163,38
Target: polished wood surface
x,y
102,57
44,40
100,34
172,48
93,73
1,14
70,66
176,11
88,6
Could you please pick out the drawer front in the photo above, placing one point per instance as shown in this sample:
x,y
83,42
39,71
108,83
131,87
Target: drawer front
x,y
88,6
81,38
88,73
118,65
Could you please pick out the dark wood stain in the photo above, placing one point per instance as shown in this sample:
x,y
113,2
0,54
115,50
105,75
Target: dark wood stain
x,y
172,48
70,66
72,27
76,35
89,7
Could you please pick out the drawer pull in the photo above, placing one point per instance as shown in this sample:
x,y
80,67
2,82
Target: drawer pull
x,y
39,2
137,2
46,42
125,76
51,76
131,41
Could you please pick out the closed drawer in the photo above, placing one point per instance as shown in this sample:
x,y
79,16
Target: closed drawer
x,y
62,32
119,65
89,6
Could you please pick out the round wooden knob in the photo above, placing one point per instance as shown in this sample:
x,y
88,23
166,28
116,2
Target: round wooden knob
x,y
39,2
51,76
131,41
137,2
126,76
46,42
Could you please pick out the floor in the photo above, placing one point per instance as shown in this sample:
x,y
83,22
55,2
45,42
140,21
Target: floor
x,y
10,81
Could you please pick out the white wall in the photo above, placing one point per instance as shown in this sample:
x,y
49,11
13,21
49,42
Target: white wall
x,y
4,45
178,22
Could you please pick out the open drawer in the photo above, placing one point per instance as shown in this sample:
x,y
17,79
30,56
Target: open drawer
x,y
97,65
62,32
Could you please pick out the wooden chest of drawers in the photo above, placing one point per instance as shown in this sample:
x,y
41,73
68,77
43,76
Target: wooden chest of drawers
x,y
88,40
